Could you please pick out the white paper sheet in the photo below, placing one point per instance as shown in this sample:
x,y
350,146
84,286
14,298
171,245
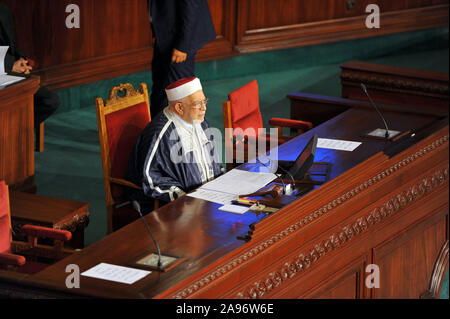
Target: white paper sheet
x,y
3,50
9,79
4,78
339,145
115,273
213,196
234,209
239,182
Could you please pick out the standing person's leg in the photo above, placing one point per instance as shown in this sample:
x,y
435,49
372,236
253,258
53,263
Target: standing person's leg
x,y
45,104
164,72
160,69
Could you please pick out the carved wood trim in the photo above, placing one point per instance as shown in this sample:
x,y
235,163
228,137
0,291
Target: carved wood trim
x,y
413,86
75,222
114,97
338,239
335,240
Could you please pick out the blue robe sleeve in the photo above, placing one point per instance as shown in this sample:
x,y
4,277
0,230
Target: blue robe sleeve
x,y
160,178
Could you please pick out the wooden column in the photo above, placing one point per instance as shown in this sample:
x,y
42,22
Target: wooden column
x,y
17,134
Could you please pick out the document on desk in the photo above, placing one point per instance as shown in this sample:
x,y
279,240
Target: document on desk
x,y
3,50
9,79
239,182
229,186
6,79
115,273
339,145
213,196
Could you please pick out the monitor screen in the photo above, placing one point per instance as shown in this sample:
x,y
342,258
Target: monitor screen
x,y
304,161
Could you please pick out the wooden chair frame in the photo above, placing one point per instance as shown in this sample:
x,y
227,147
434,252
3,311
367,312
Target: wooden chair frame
x,y
115,103
31,248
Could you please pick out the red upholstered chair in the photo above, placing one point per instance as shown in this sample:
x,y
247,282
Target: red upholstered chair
x,y
120,121
242,114
9,250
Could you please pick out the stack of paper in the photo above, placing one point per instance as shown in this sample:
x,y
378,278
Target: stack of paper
x,y
229,186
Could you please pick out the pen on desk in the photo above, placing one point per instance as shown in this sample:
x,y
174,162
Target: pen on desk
x,y
243,202
235,202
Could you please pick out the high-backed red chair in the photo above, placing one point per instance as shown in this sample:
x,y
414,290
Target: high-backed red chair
x,y
120,121
10,250
242,114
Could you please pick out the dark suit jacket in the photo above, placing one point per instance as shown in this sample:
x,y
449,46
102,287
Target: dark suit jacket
x,y
185,25
7,37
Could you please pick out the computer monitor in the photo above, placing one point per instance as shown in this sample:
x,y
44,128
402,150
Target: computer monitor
x,y
298,168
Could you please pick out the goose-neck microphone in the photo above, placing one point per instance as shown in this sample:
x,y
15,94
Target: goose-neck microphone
x,y
137,207
364,88
279,175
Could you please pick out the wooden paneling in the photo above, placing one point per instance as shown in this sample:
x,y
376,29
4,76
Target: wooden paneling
x,y
260,13
395,85
301,23
17,134
345,288
406,262
115,35
114,38
335,280
223,13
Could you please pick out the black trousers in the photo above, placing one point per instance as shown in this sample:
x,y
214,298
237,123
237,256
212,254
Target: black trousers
x,y
164,72
45,104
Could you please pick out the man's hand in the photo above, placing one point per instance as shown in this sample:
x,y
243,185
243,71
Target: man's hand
x,y
178,56
21,66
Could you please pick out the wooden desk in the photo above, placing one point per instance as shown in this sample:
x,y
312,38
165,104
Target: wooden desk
x,y
318,109
395,85
50,212
17,134
389,210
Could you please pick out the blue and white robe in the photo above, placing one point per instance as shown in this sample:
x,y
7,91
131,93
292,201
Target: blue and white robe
x,y
172,157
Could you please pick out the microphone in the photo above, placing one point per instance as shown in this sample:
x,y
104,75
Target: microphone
x,y
386,135
287,172
279,175
137,208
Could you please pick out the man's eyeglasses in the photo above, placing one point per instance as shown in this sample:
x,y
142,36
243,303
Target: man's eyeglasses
x,y
198,105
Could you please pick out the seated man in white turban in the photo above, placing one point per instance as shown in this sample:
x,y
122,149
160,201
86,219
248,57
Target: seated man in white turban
x,y
175,153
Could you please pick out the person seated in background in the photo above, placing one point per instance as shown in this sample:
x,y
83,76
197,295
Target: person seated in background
x,y
45,101
175,153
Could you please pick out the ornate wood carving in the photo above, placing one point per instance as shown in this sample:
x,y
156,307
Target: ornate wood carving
x,y
338,239
335,240
73,224
114,94
415,86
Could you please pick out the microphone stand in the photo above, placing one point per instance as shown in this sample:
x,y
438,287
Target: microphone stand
x,y
386,135
279,175
138,209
